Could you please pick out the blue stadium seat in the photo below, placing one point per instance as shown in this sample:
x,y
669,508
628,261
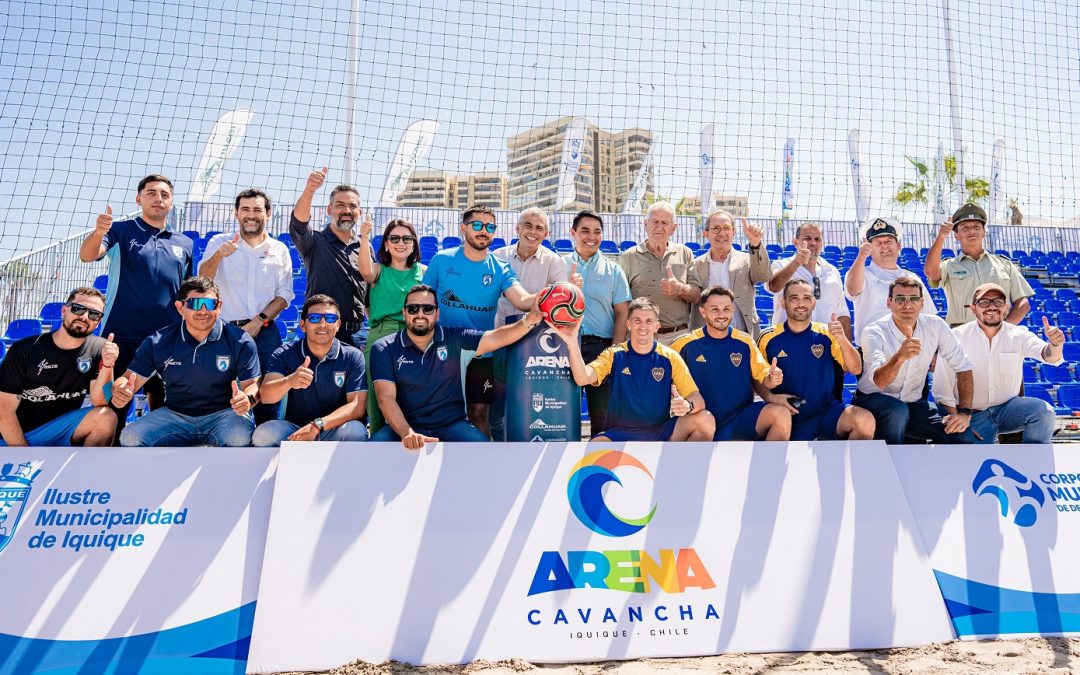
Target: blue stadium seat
x,y
50,314
564,245
1016,254
1065,319
693,246
429,240
290,314
376,242
1065,294
1042,392
1031,373
286,238
1068,395
193,235
20,328
451,242
773,248
283,330
208,236
101,282
426,256
297,261
497,243
1053,306
626,243
3,349
608,246
1072,352
1056,374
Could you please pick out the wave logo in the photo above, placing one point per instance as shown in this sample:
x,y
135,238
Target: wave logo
x,y
15,485
586,495
997,478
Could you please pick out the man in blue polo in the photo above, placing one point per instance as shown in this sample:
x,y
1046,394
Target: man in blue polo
x,y
417,372
322,381
199,360
147,263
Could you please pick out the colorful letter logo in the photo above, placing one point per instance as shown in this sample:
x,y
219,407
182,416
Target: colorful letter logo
x,y
585,492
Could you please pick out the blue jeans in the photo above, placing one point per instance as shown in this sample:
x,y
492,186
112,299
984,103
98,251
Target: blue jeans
x,y
266,342
271,434
916,421
1033,416
167,428
458,432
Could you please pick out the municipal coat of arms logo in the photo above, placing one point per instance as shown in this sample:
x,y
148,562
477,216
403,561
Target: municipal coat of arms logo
x,y
15,485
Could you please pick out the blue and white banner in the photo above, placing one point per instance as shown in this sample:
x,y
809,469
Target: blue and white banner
x,y
131,560
635,198
573,150
997,163
706,159
942,206
225,138
862,192
412,149
787,194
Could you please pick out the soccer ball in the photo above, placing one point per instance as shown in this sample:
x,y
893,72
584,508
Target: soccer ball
x,y
562,304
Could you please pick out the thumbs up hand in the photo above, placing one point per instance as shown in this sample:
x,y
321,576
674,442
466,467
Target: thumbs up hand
x,y
104,221
123,392
669,285
576,278
911,346
229,247
109,353
303,376
776,376
679,405
753,233
240,402
1054,335
315,180
802,255
836,329
366,225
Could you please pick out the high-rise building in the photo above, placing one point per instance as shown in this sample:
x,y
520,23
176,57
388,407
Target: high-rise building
x,y
610,164
440,189
736,205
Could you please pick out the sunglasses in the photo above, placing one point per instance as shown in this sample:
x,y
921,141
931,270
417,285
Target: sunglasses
x,y
399,238
986,302
478,225
209,304
415,308
319,317
79,310
906,299
817,288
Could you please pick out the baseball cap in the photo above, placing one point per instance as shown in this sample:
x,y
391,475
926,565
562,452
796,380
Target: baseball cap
x,y
882,226
969,212
986,288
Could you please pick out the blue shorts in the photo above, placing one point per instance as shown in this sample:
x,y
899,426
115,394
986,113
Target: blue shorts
x,y
821,426
742,426
57,432
660,433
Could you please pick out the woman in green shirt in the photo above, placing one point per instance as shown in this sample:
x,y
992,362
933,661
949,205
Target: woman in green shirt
x,y
396,270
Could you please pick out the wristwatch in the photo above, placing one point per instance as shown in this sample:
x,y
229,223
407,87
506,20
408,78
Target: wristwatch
x,y
691,404
251,399
265,319
754,249
319,424
964,411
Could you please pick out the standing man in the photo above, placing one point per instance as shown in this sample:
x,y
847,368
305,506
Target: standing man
x,y
653,396
868,286
973,267
468,282
822,276
254,272
44,380
997,350
417,372
323,382
200,360
330,256
147,263
813,357
899,349
729,368
663,271
607,303
737,271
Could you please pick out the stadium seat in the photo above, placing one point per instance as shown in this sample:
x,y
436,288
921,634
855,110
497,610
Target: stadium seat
x,y
20,328
451,242
1072,352
376,242
3,349
1031,373
50,315
564,245
1065,294
497,243
101,282
609,247
1053,306
627,244
285,238
191,234
1042,392
283,330
1056,374
297,261
693,246
1068,396
290,314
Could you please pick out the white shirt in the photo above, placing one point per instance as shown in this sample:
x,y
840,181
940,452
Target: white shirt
x,y
832,291
997,365
871,305
539,271
720,275
253,276
881,340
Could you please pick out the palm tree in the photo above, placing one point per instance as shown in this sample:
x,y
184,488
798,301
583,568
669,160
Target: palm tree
x,y
921,190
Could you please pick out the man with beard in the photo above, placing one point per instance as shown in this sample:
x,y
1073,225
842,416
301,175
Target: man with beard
x,y
813,357
737,271
729,368
997,350
417,372
468,282
45,379
823,277
254,272
330,256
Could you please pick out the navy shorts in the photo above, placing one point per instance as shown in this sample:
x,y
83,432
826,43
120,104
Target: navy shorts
x,y
480,381
660,433
821,426
742,426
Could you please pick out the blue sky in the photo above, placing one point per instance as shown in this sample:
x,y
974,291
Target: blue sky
x,y
98,94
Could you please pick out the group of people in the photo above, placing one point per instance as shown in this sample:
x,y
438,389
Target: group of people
x,y
670,346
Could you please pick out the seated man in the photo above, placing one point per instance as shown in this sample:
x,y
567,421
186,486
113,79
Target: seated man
x,y
199,361
417,372
653,396
814,357
729,368
899,349
324,401
45,379
996,350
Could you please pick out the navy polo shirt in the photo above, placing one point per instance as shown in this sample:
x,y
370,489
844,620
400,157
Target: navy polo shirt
x,y
198,376
340,373
429,383
146,267
331,267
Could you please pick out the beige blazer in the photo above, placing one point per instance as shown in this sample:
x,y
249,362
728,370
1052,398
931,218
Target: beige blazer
x,y
746,272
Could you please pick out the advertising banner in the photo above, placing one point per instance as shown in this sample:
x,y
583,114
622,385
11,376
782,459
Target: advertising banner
x,y
542,400
131,560
575,552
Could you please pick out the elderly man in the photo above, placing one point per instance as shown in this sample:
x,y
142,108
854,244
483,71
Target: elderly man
x,y
663,271
997,351
974,266
868,286
734,270
823,277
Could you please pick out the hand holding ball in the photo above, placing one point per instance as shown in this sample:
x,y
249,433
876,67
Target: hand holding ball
x,y
562,304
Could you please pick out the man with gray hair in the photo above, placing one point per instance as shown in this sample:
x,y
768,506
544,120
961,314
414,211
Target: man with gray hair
x,y
663,271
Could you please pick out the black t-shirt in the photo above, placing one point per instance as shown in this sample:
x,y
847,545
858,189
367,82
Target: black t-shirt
x,y
49,381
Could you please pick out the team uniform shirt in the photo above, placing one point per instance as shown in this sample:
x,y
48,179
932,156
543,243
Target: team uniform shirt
x,y
812,362
882,339
331,267
641,384
146,267
430,383
960,276
340,373
832,292
644,271
871,304
198,376
252,276
468,291
536,273
997,365
605,286
723,368
49,381
720,275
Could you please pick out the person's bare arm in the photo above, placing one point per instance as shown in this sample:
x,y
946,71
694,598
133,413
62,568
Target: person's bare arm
x,y
9,422
302,209
932,266
92,247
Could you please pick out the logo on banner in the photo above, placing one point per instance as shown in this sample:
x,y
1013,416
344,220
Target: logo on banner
x,y
15,486
1013,490
585,492
538,402
222,363
83,364
548,342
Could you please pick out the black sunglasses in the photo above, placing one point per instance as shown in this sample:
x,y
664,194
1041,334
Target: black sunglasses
x,y
79,310
415,308
817,288
398,238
